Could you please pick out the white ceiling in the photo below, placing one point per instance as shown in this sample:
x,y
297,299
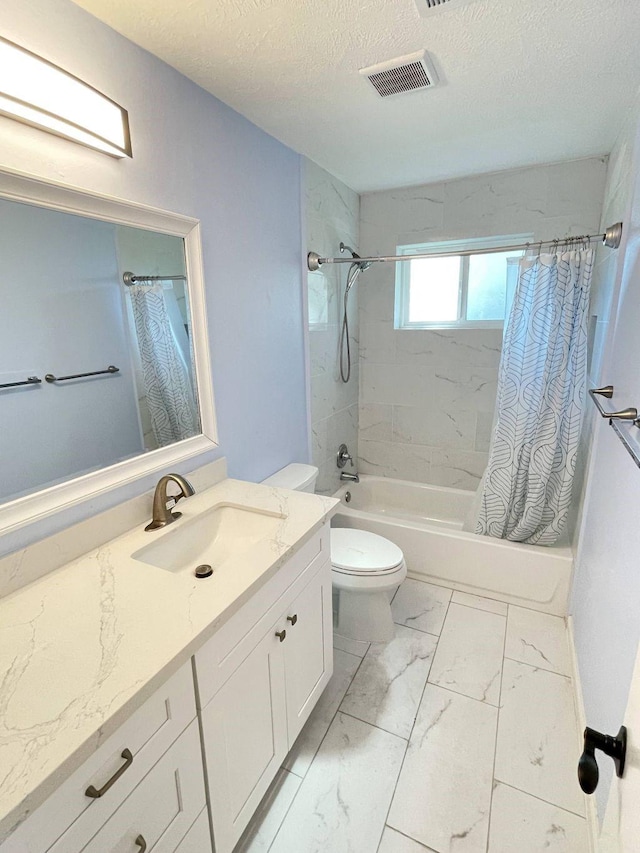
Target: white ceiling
x,y
523,81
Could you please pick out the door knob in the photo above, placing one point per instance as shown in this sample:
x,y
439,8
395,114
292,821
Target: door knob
x,y
614,747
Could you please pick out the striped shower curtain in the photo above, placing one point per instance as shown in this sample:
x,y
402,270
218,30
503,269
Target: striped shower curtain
x,y
526,491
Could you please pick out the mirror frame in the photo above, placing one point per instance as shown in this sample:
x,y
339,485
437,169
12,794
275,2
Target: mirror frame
x,y
27,189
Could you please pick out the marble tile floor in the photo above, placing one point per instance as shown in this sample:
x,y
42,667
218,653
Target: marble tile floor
x,y
458,736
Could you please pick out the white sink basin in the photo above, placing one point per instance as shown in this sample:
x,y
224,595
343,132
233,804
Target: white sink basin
x,y
210,538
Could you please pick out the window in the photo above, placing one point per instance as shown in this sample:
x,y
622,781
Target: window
x,y
472,291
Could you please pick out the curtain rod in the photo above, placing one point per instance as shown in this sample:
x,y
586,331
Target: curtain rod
x,y
130,278
611,238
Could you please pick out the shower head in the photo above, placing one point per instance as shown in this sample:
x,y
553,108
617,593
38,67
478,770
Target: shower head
x,y
355,255
354,271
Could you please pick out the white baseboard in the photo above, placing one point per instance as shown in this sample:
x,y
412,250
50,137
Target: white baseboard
x,y
593,827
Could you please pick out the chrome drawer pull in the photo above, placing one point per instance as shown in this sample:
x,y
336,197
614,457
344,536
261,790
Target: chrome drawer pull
x,y
281,635
142,844
94,792
293,619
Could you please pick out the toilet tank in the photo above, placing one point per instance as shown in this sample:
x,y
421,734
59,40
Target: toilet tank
x,y
299,477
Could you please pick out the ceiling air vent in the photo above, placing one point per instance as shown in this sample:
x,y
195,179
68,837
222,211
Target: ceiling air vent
x,y
427,6
403,74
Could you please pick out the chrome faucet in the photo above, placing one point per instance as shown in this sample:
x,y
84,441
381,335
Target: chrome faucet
x,y
162,515
343,457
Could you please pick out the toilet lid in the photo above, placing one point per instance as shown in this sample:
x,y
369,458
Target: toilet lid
x,y
358,551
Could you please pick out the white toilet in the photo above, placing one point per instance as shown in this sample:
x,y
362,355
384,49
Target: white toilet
x,y
366,569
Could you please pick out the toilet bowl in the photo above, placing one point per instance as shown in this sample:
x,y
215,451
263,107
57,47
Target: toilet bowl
x,y
366,569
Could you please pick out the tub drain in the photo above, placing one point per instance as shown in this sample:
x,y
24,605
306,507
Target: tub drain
x,y
347,497
203,571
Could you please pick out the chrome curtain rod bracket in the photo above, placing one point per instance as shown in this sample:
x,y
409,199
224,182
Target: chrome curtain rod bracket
x,y
611,239
51,378
130,278
30,380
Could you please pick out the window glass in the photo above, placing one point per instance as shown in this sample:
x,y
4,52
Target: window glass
x,y
487,286
473,289
434,289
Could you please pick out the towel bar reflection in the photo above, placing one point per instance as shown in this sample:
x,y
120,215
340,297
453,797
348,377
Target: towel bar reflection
x,y
51,378
630,414
130,278
30,380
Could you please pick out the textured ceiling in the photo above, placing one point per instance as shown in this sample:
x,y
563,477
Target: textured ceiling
x,y
522,81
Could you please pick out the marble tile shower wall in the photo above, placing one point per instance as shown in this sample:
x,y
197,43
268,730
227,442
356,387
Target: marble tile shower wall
x,y
332,213
427,397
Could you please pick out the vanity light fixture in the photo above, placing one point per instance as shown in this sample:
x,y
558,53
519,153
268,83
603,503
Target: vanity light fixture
x,y
36,92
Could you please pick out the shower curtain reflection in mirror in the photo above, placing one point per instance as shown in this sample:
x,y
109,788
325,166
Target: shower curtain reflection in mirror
x,y
165,364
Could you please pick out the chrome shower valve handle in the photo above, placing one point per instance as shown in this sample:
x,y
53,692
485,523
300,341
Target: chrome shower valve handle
x,y
343,456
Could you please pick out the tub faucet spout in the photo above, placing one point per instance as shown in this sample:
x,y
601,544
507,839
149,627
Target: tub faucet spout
x,y
351,478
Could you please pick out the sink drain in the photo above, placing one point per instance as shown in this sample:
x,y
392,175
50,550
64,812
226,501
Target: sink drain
x,y
203,571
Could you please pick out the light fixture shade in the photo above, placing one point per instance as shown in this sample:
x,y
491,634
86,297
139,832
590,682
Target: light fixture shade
x,y
36,92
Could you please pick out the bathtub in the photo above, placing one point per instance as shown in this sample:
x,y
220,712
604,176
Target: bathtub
x,y
426,522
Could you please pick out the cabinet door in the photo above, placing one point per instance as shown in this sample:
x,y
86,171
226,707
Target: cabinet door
x,y
245,739
308,649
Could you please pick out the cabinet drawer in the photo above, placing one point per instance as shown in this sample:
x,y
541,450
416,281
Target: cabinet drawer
x,y
198,839
226,650
146,734
158,813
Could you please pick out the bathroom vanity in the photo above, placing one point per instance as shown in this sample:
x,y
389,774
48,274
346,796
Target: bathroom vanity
x,y
135,687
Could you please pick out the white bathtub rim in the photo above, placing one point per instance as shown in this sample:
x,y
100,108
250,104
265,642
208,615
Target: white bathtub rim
x,y
413,484
559,552
546,589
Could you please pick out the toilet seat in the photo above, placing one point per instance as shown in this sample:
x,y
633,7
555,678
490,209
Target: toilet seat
x,y
363,554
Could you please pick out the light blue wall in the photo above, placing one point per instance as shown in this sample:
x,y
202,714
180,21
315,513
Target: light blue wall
x,y
606,589
196,156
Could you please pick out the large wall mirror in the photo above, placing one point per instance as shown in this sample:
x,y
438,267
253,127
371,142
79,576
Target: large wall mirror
x,y
104,361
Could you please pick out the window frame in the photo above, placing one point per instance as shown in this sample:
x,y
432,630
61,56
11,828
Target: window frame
x,y
403,276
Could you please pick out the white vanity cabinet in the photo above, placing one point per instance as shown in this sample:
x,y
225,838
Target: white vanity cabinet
x,y
257,687
256,681
150,780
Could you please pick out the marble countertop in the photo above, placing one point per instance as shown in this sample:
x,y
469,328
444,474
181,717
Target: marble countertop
x,y
84,646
